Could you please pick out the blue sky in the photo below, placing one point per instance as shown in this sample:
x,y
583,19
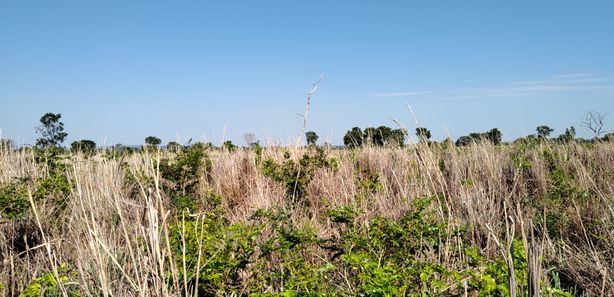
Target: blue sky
x,y
119,71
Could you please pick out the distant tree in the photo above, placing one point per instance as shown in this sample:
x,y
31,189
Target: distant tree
x,y
568,136
173,146
448,142
544,132
383,135
529,139
120,148
423,133
312,138
371,135
397,137
153,141
85,146
353,138
494,136
477,137
250,139
464,141
229,146
608,137
51,131
595,122
6,144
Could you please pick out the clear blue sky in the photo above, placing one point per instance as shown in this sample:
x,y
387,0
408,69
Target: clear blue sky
x,y
119,71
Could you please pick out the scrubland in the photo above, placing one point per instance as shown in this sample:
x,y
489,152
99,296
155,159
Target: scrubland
x,y
426,219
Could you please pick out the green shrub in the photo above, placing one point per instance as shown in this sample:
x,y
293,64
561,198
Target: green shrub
x,y
213,252
367,180
183,173
288,263
14,201
50,285
295,176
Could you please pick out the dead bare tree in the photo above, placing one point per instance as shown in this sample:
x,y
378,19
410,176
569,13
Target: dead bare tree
x,y
314,87
250,139
594,121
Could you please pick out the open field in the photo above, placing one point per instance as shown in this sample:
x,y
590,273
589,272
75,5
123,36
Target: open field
x,y
423,220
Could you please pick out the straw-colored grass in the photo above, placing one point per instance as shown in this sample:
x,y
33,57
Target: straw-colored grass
x,y
114,235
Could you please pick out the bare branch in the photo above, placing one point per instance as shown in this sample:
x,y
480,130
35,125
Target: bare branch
x,y
594,122
314,87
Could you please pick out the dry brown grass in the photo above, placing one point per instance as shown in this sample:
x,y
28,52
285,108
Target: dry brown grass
x,y
116,237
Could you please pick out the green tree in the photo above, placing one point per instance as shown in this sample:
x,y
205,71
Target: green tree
x,y
494,136
229,146
568,136
383,135
173,146
353,138
312,138
464,141
153,141
85,146
371,135
544,131
397,137
423,133
51,131
476,137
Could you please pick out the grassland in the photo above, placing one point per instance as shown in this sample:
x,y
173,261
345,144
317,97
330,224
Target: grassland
x,y
422,220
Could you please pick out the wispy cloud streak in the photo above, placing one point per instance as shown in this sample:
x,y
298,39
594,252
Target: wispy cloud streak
x,y
401,94
533,88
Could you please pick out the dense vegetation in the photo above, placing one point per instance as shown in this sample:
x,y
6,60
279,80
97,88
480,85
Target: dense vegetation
x,y
425,219
379,218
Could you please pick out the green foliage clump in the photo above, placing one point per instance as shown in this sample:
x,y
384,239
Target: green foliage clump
x,y
379,136
54,187
296,176
182,176
343,215
152,141
389,258
423,133
312,138
353,138
87,147
210,254
229,146
183,173
14,201
561,195
53,285
288,263
52,157
493,136
544,132
367,180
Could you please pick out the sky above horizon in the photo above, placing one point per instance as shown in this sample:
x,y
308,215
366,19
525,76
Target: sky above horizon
x,y
119,71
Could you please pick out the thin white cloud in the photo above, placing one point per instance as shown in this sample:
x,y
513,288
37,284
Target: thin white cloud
x,y
486,95
401,94
532,88
577,78
572,75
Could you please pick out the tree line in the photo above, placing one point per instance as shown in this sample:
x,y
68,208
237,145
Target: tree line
x,y
52,135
